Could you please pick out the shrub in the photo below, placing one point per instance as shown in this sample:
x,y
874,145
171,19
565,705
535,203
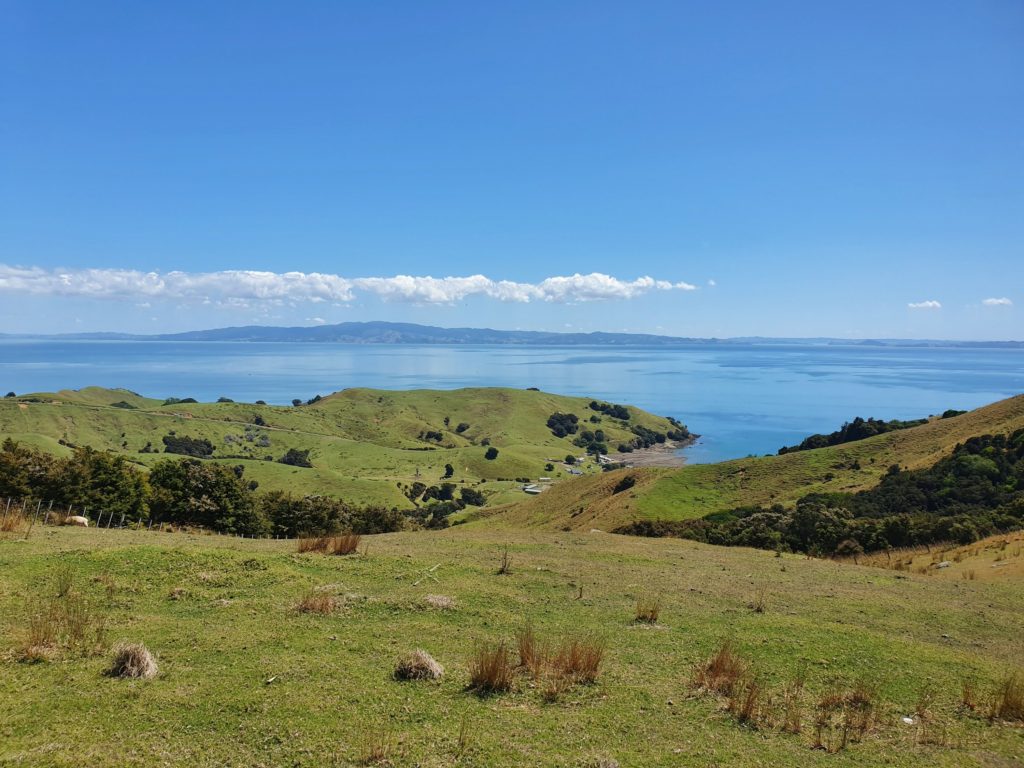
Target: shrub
x,y
624,484
296,458
491,454
313,544
199,447
418,665
490,669
133,660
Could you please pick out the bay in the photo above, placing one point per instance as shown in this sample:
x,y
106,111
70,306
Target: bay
x,y
742,399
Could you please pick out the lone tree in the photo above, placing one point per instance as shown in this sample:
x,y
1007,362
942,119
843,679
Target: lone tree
x,y
492,453
449,470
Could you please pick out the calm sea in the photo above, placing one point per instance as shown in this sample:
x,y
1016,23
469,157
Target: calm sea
x,y
742,399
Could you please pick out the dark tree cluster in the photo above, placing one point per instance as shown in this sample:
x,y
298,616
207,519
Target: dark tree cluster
x,y
977,491
180,491
123,404
179,401
858,429
432,435
199,447
615,411
562,424
592,441
296,457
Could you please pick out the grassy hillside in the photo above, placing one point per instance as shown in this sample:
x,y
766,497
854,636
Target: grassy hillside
x,y
363,443
696,490
246,679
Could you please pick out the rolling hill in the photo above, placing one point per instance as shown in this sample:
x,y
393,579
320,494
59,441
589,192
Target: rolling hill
x,y
696,490
363,443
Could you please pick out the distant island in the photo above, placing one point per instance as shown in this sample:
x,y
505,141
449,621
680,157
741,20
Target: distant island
x,y
380,332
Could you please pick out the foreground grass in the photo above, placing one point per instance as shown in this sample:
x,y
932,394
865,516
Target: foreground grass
x,y
248,679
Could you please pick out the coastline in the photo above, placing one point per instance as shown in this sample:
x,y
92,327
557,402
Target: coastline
x,y
663,455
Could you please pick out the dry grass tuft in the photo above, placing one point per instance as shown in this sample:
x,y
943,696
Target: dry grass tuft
x,y
648,609
1008,698
13,520
317,601
133,660
63,580
418,665
760,602
441,602
346,544
178,593
843,716
490,669
378,747
579,660
721,672
745,700
313,544
505,566
532,655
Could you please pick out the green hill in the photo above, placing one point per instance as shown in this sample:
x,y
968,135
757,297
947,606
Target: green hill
x,y
696,490
363,443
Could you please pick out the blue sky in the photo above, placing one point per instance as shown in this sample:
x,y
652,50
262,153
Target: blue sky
x,y
785,169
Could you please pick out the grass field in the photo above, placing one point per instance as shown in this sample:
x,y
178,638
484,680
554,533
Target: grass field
x,y
694,491
362,442
246,679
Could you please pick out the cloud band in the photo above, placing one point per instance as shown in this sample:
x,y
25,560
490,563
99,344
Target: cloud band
x,y
243,286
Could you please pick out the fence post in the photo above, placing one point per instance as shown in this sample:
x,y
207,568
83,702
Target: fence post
x,y
121,524
34,518
110,519
46,518
8,509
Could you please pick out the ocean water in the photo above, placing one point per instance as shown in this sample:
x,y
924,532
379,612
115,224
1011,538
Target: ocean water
x,y
742,399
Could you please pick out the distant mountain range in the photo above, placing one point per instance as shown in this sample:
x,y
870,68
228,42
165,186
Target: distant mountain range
x,y
410,333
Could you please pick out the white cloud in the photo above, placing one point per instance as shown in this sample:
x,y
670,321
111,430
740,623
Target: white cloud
x,y
930,304
1003,302
712,283
242,289
315,320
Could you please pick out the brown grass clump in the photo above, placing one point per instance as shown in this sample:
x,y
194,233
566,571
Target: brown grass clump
x,y
313,544
69,623
418,665
721,672
793,702
177,593
317,601
133,660
1008,698
648,609
532,655
843,716
13,520
346,544
579,660
490,669
441,602
745,700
